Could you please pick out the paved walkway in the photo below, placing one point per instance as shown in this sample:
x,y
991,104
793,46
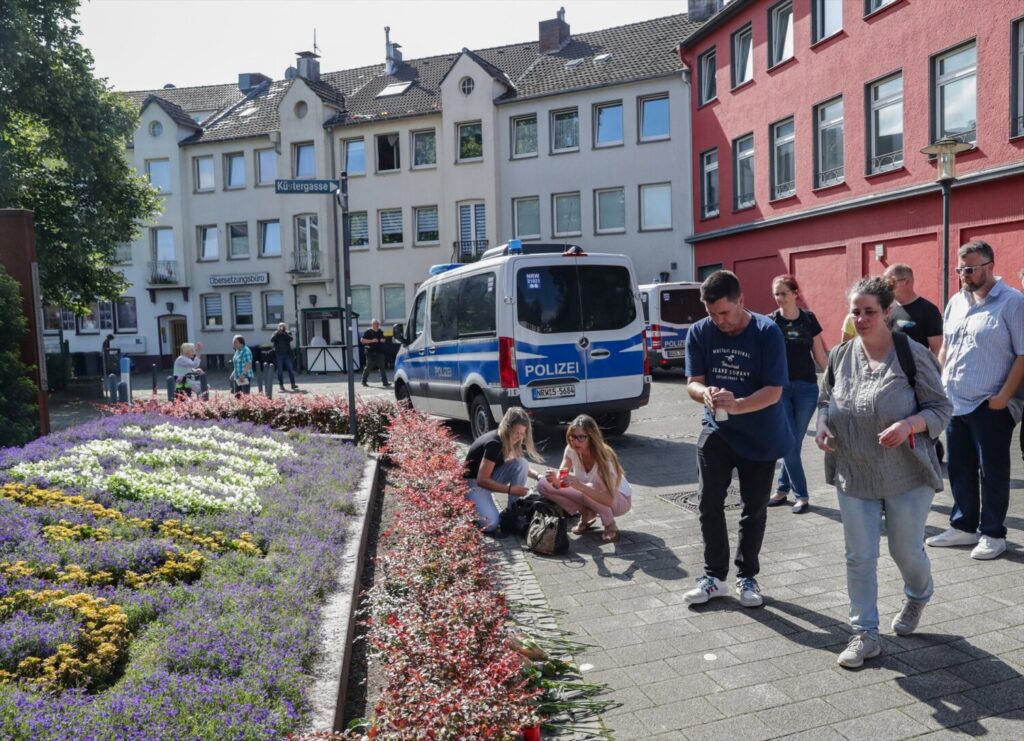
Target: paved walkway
x,y
722,671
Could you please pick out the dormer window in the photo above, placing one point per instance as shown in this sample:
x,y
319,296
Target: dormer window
x,y
466,85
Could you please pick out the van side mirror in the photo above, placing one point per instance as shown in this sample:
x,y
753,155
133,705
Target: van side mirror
x,y
398,332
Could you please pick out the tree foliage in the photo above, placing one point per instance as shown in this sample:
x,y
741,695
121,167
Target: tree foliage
x,y
63,135
18,412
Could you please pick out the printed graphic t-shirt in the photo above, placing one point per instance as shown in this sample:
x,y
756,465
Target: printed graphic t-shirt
x,y
799,335
918,320
743,364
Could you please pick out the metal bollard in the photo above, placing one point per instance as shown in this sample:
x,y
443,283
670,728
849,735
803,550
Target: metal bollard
x,y
170,388
122,392
268,380
204,387
110,388
152,370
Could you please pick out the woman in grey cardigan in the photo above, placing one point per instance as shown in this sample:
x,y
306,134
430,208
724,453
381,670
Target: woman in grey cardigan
x,y
878,432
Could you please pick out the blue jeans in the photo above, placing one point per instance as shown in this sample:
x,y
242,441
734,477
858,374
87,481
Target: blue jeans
x,y
905,516
799,399
284,362
513,472
978,455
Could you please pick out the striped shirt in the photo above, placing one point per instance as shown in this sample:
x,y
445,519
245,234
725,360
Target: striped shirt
x,y
982,340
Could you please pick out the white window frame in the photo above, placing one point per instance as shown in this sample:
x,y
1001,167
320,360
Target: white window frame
x,y
826,178
950,78
709,170
149,173
381,244
598,227
516,228
782,189
573,112
155,245
652,227
707,73
261,177
201,233
297,149
556,199
739,159
417,242
267,321
819,18
348,165
235,324
218,326
231,243
642,114
385,317
312,227
458,141
743,38
873,6
229,160
413,136
598,107
198,173
536,135
357,303
893,160
366,227
777,55
117,323
261,232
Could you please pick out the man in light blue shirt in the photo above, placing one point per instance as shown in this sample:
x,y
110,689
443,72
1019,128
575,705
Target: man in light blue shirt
x,y
982,360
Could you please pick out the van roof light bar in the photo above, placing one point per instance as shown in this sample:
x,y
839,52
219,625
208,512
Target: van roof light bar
x,y
444,267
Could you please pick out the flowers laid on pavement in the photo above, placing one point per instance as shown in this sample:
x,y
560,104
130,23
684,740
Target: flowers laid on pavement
x,y
128,612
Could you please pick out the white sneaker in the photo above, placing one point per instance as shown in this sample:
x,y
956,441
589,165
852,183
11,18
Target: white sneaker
x,y
951,537
988,548
862,646
708,588
750,592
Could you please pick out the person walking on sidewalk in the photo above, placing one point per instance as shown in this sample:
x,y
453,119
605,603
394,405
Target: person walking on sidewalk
x,y
804,348
914,315
241,367
869,413
282,342
982,368
373,346
736,368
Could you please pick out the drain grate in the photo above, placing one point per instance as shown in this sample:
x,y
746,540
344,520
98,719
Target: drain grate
x,y
690,499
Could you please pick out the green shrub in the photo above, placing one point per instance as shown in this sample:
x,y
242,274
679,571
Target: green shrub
x,y
19,416
58,371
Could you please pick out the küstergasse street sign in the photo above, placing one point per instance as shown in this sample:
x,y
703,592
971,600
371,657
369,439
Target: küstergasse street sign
x,y
325,187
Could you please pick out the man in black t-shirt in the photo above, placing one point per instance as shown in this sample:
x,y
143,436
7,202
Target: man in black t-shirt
x,y
916,317
373,345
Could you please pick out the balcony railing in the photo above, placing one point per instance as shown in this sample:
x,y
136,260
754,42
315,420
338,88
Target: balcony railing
x,y
831,177
782,190
887,161
306,261
468,250
163,272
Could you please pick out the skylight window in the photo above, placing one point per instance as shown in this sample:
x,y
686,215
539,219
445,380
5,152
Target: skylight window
x,y
602,58
574,63
247,112
395,88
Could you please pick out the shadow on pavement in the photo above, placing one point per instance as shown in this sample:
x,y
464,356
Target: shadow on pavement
x,y
636,551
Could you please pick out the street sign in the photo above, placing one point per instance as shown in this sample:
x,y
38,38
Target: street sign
x,y
306,186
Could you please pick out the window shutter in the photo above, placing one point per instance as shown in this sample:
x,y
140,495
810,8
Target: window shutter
x,y
465,223
243,304
481,221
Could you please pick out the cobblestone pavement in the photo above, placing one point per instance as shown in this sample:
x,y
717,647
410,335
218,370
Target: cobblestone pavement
x,y
722,671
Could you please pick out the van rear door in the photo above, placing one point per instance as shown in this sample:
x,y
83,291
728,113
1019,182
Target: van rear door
x,y
679,308
612,331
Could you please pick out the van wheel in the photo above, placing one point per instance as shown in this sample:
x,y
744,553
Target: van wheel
x,y
615,424
402,396
481,421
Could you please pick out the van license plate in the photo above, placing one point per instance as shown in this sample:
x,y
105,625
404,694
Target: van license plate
x,y
675,353
554,392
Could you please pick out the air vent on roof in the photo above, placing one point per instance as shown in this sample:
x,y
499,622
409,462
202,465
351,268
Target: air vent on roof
x,y
395,88
169,86
574,63
602,58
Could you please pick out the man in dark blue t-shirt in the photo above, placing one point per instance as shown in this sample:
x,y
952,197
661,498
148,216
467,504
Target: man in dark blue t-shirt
x,y
736,368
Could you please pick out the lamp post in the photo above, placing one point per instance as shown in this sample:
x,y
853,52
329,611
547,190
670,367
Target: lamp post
x,y
946,150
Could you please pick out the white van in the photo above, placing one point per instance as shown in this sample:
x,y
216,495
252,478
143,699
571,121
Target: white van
x,y
546,327
669,310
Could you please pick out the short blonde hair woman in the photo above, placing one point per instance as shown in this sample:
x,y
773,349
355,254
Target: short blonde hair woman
x,y
496,464
590,480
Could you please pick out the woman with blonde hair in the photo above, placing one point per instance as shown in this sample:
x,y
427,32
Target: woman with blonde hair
x,y
590,480
496,464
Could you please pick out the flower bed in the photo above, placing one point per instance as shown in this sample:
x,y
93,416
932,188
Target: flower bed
x,y
162,578
327,414
437,625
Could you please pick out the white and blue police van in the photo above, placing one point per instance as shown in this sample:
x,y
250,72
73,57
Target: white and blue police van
x,y
669,311
546,327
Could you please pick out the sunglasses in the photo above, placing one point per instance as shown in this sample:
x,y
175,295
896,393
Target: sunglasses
x,y
580,438
971,269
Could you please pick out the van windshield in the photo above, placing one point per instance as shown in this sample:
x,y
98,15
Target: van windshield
x,y
565,298
682,306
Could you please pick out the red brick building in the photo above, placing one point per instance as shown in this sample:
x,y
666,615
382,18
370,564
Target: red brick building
x,y
808,117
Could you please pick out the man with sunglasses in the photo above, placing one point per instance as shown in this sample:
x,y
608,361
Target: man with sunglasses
x,y
982,361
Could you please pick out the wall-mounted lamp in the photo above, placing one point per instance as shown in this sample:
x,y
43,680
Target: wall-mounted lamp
x,y
312,299
275,139
170,307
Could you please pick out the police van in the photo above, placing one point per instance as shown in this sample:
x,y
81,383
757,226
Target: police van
x,y
546,327
669,310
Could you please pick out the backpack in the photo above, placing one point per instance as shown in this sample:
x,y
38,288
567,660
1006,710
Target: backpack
x,y
515,518
548,533
904,355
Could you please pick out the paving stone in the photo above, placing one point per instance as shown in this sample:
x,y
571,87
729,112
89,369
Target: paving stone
x,y
745,674
742,728
682,688
794,717
700,661
675,715
1002,696
630,699
948,711
934,657
749,699
865,700
983,672
889,724
650,672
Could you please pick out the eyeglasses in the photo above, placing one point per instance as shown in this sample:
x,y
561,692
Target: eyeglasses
x,y
971,269
580,438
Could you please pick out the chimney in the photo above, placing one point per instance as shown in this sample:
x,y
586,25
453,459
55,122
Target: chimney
x,y
554,34
392,55
700,10
308,66
249,80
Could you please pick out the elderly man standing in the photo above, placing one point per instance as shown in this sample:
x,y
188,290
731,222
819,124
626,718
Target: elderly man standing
x,y
982,367
376,357
915,316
